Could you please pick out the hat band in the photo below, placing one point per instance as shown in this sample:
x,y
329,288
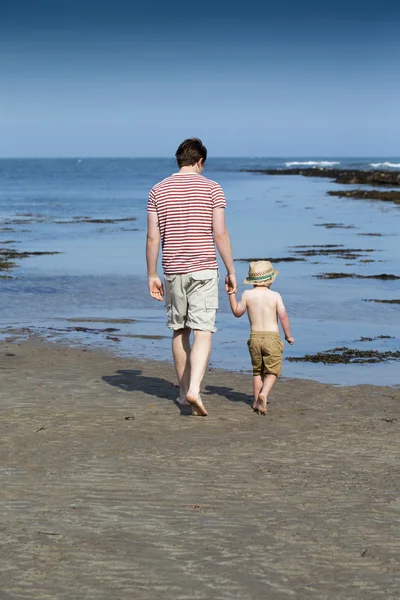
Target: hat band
x,y
262,278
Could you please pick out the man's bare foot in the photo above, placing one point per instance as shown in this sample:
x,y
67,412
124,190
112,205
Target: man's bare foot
x,y
262,404
197,405
182,401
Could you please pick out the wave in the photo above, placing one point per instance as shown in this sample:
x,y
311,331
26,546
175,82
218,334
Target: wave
x,y
385,164
313,163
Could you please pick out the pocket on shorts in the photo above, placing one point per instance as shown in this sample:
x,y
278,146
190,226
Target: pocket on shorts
x,y
211,303
170,278
204,275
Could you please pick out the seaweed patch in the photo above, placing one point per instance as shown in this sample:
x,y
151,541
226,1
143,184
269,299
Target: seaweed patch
x,y
378,337
382,276
95,221
334,251
395,301
346,355
273,260
334,225
392,196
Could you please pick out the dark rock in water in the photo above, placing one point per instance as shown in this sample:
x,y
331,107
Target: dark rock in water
x,y
382,301
352,176
6,264
272,260
383,276
368,195
96,221
334,251
373,234
7,254
86,329
347,356
334,225
7,257
378,337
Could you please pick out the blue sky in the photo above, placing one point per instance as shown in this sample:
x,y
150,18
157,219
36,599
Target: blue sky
x,y
120,79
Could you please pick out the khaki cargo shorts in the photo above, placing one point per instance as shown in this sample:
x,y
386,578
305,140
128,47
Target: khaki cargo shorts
x,y
192,300
266,349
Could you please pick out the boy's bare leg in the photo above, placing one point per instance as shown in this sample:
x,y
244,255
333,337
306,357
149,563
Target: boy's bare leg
x,y
268,384
199,357
257,387
181,354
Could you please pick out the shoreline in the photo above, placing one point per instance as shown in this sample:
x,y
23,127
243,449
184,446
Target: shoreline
x,y
49,338
111,490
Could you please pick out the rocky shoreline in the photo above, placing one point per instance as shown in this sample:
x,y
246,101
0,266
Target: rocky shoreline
x,y
392,196
349,176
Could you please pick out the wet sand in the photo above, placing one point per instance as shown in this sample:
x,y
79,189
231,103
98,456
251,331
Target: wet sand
x,y
110,491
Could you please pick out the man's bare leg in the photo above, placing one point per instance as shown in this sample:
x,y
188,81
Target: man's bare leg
x,y
257,387
181,354
268,384
199,357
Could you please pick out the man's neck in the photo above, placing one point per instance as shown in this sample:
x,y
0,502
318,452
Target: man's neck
x,y
191,169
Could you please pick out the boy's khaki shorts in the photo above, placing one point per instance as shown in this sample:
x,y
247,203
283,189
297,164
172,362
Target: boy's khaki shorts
x,y
266,349
192,300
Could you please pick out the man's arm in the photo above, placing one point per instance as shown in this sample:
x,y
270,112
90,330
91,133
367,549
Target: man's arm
x,y
152,250
284,319
238,308
223,244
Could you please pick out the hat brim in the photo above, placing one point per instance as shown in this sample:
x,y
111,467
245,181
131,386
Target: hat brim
x,y
262,281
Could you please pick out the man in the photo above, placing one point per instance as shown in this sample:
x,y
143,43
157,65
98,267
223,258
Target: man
x,y
186,212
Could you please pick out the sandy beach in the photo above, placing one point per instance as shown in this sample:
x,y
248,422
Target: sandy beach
x,y
110,491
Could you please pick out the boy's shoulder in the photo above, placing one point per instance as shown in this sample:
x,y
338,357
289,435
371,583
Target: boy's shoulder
x,y
255,293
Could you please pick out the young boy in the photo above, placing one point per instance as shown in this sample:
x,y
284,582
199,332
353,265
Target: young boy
x,y
264,308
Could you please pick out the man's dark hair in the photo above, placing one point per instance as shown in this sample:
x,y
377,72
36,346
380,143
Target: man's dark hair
x,y
190,152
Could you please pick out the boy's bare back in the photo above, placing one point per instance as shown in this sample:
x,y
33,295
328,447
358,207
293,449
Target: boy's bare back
x,y
262,306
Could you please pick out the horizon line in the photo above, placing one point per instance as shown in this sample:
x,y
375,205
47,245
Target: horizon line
x,y
126,157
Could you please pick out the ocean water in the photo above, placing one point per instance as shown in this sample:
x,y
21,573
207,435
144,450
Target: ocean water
x,y
100,273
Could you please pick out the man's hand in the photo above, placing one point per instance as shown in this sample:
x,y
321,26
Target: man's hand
x,y
156,288
230,283
290,340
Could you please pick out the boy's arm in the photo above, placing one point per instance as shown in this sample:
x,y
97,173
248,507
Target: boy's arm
x,y
238,308
284,319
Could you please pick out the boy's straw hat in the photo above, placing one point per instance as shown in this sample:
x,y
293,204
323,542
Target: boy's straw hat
x,y
261,272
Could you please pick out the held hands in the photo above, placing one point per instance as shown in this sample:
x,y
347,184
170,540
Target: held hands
x,y
290,340
230,283
156,288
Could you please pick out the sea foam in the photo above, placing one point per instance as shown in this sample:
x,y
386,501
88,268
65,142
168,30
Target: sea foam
x,y
312,163
385,164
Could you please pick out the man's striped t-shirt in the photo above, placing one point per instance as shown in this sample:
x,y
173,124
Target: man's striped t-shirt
x,y
184,204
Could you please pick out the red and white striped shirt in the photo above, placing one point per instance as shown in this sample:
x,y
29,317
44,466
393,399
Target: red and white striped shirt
x,y
184,204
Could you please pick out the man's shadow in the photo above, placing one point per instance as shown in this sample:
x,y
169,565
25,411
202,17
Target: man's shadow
x,y
133,380
228,393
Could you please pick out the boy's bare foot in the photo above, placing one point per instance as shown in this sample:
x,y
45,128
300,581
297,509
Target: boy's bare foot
x,y
254,406
262,404
182,401
197,405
